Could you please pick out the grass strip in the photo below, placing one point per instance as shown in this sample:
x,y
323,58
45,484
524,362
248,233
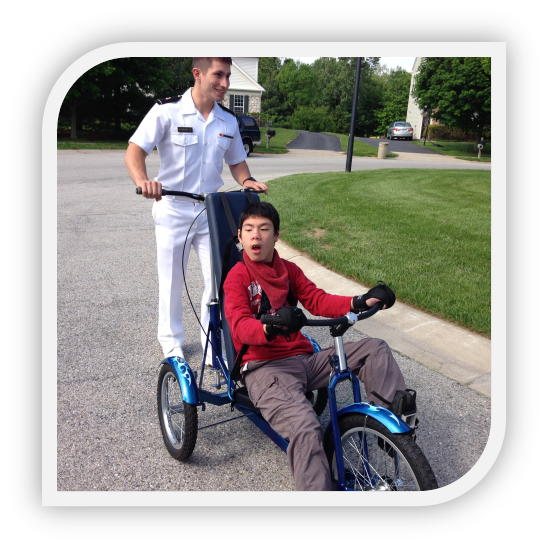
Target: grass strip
x,y
425,232
360,148
101,145
278,142
461,151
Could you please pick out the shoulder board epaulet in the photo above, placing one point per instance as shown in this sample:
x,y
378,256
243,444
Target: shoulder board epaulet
x,y
227,109
172,99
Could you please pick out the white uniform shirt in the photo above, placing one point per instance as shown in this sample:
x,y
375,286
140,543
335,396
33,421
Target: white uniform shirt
x,y
191,148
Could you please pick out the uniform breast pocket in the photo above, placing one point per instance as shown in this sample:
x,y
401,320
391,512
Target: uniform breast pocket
x,y
220,150
185,149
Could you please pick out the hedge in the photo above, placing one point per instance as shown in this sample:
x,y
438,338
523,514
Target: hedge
x,y
441,132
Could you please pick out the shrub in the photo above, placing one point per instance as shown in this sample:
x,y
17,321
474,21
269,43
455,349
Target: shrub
x,y
317,119
440,132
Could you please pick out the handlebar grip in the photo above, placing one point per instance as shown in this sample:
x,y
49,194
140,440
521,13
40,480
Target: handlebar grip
x,y
139,191
271,320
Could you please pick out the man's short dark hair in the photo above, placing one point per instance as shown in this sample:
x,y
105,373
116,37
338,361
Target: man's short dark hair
x,y
261,209
203,63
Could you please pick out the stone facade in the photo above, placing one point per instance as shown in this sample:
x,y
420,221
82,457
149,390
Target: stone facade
x,y
254,100
255,103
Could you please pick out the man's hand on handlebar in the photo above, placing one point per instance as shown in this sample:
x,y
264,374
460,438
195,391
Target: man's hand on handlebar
x,y
256,185
151,189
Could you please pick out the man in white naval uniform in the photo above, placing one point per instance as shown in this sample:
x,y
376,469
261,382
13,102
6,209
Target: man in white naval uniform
x,y
192,134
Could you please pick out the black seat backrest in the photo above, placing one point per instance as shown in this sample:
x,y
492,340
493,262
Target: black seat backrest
x,y
220,232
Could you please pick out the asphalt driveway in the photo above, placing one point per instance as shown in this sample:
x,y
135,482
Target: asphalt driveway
x,y
308,140
315,141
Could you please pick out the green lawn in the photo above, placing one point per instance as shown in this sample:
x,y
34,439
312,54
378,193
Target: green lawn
x,y
278,142
426,233
462,151
360,148
82,144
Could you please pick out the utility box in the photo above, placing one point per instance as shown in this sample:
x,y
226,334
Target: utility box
x,y
383,149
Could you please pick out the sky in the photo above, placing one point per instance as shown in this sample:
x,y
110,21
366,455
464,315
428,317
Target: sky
x,y
391,62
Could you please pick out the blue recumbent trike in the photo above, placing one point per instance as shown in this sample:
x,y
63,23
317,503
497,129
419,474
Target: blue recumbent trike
x,y
368,447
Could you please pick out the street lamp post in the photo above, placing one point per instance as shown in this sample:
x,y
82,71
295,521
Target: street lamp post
x,y
353,120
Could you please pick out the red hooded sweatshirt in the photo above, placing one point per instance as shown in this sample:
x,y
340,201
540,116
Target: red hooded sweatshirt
x,y
242,302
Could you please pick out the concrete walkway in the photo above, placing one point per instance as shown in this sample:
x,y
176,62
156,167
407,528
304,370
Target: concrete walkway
x,y
451,350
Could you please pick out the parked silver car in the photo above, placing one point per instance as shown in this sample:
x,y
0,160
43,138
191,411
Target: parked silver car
x,y
400,130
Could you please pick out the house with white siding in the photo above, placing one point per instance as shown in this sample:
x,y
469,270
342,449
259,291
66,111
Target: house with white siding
x,y
244,92
415,116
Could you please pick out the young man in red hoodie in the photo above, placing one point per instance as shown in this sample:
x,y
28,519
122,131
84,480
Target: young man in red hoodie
x,y
280,365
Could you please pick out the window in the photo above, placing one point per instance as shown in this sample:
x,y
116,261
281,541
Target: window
x,y
238,103
249,121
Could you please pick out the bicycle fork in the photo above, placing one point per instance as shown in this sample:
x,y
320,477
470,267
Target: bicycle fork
x,y
341,373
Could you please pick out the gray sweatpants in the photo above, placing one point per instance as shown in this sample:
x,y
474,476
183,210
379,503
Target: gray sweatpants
x,y
277,388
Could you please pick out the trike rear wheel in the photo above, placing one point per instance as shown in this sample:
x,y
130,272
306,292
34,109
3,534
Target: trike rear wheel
x,y
377,460
178,419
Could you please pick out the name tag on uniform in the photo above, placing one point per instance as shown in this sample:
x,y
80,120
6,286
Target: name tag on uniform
x,y
184,129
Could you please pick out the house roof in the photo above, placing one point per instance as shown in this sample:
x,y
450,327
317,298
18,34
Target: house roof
x,y
241,81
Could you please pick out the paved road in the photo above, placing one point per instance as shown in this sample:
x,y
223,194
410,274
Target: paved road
x,y
315,141
108,437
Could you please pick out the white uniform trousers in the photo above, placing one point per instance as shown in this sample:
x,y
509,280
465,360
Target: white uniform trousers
x,y
173,220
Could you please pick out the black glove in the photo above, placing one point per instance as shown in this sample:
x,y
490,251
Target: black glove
x,y
381,292
292,317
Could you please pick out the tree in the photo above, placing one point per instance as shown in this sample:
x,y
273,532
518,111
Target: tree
x,y
457,90
316,119
181,76
268,67
395,85
298,82
118,92
335,83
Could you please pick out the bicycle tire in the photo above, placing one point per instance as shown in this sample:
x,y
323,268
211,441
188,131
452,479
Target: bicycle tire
x,y
178,419
394,461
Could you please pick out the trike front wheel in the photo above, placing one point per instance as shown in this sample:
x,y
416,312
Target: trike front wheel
x,y
178,419
376,460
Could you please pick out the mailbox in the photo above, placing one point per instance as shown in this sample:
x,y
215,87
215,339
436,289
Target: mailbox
x,y
270,132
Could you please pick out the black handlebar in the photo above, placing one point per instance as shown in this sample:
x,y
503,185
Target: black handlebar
x,y
196,197
276,320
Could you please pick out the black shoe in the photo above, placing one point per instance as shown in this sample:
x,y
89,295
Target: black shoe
x,y
404,405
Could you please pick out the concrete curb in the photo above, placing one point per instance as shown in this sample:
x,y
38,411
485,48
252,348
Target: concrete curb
x,y
402,156
451,350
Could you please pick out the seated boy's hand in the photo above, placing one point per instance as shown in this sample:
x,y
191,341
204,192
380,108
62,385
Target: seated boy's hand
x,y
293,319
378,293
